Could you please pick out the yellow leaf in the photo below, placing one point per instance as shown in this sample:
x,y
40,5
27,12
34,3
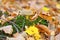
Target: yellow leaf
x,y
27,17
32,30
37,36
45,9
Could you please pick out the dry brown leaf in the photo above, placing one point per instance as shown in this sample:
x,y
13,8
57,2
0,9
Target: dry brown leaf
x,y
44,28
18,36
7,29
49,18
57,37
9,18
22,33
26,12
30,38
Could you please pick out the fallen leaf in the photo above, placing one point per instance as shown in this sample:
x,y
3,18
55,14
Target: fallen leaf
x,y
17,36
30,38
57,37
7,29
26,12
